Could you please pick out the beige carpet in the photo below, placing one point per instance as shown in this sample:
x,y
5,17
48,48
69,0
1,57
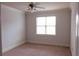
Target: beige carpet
x,y
38,50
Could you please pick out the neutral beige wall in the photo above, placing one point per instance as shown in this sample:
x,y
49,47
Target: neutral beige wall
x,y
13,27
63,20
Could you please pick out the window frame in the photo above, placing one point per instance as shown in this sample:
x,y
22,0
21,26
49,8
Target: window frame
x,y
46,26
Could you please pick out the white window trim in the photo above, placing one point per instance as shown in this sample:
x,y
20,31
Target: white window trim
x,y
46,26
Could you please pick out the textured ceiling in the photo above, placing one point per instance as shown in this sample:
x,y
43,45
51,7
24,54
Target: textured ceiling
x,y
47,5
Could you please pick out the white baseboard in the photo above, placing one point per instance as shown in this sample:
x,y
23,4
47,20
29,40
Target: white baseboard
x,y
64,45
13,46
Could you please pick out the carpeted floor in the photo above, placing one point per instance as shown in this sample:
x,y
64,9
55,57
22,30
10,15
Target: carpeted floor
x,y
38,50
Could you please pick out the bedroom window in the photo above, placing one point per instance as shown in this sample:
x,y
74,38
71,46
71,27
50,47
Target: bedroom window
x,y
46,25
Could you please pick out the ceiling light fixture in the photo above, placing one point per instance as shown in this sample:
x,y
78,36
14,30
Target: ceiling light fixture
x,y
33,7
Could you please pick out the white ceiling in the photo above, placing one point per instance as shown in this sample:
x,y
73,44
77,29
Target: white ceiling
x,y
47,5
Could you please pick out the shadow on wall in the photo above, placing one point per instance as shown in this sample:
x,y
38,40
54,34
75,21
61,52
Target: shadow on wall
x,y
0,32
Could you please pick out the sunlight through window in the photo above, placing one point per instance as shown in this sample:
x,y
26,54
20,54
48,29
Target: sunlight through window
x,y
46,25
